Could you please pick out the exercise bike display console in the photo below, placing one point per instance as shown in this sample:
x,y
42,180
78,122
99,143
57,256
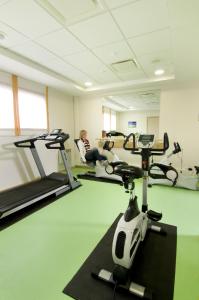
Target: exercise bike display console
x,y
134,224
146,141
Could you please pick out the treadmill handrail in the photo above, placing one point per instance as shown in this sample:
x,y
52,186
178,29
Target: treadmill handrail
x,y
23,143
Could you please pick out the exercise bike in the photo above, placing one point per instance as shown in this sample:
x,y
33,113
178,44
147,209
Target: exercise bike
x,y
134,224
164,173
104,173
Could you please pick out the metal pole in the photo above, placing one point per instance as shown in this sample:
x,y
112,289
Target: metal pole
x,y
67,167
144,192
38,162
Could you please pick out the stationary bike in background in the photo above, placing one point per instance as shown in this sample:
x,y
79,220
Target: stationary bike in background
x,y
104,173
134,224
164,173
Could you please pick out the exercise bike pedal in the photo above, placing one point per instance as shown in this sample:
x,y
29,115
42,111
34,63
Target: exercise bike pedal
x,y
154,216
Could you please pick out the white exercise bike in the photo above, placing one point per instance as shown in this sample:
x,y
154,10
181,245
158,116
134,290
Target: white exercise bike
x,y
134,224
104,172
164,173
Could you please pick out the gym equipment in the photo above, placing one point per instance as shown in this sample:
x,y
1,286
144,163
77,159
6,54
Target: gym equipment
x,y
104,173
134,224
53,185
164,173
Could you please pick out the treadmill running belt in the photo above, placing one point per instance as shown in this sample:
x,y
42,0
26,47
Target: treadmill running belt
x,y
19,195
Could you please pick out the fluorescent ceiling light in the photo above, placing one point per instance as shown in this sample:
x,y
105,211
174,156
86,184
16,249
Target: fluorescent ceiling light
x,y
159,72
88,83
131,108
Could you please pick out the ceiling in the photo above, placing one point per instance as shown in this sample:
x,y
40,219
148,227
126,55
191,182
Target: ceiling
x,y
76,41
148,100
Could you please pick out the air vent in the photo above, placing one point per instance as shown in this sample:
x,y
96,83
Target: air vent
x,y
125,66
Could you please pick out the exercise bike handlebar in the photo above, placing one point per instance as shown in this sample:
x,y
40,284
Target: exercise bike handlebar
x,y
115,133
177,148
153,151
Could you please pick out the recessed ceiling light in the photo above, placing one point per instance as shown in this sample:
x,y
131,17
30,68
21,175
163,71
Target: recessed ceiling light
x,y
159,72
2,36
88,83
131,108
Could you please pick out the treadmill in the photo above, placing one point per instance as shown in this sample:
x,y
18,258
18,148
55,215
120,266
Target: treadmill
x,y
52,185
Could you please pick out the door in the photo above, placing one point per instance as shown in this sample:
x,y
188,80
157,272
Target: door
x,y
153,126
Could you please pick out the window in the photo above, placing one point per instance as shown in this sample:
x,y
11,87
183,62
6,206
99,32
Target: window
x,y
32,110
109,119
113,120
7,110
106,119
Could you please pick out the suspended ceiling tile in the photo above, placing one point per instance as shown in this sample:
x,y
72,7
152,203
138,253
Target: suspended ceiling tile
x,y
97,31
28,18
185,53
183,14
152,42
113,52
63,68
61,42
142,17
85,61
105,76
12,37
34,52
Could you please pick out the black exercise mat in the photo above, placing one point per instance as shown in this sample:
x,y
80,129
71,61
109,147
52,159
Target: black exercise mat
x,y
154,267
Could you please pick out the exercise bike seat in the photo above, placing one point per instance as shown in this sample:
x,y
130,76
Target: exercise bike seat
x,y
118,163
128,171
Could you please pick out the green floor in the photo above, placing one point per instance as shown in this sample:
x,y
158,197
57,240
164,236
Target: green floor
x,y
41,253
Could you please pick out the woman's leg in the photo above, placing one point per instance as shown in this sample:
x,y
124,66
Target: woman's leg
x,y
93,155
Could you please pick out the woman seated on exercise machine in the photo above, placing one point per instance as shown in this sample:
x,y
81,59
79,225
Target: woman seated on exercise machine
x,y
87,153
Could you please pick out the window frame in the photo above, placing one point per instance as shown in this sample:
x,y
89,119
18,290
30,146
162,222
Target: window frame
x,y
17,130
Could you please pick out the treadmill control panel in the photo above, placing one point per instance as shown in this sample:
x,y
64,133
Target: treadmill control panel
x,y
146,141
56,131
54,134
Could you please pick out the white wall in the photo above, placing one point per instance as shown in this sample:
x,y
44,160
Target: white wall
x,y
16,165
139,116
122,125
61,115
179,116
